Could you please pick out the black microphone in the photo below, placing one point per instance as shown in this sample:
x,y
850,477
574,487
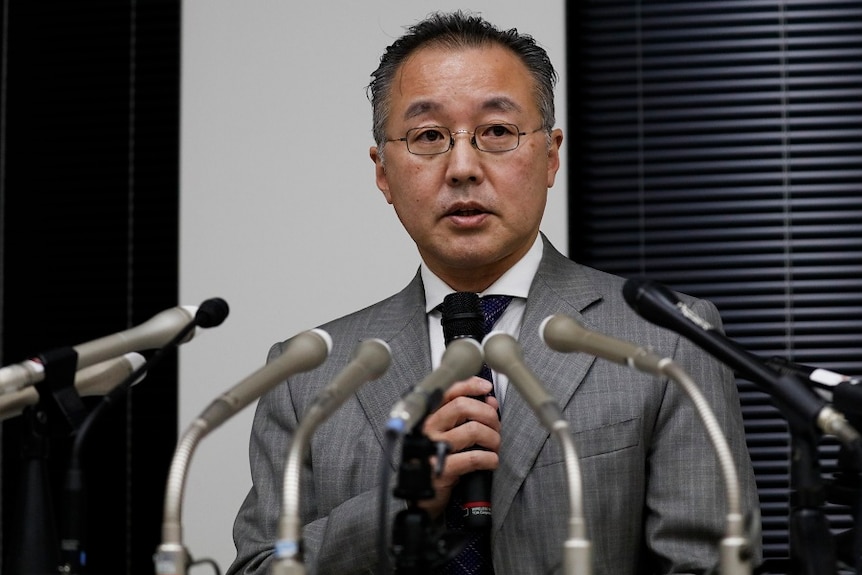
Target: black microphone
x,y
659,305
463,318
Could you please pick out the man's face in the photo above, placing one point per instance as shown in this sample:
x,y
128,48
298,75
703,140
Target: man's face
x,y
472,214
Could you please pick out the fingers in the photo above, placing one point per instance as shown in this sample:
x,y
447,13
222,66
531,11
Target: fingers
x,y
457,464
475,386
463,421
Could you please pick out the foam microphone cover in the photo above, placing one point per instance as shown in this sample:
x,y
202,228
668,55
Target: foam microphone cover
x,y
462,317
212,312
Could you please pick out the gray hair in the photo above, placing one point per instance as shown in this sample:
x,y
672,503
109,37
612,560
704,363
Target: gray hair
x,y
458,30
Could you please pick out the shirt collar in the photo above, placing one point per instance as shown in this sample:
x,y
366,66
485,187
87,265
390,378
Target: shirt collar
x,y
515,282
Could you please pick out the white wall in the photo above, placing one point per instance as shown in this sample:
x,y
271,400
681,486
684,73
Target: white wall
x,y
278,202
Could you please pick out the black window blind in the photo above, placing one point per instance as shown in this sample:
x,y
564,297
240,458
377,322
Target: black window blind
x,y
716,146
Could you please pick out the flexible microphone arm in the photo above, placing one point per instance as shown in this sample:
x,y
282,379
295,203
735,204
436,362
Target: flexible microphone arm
x,y
371,359
303,352
461,359
564,334
504,354
151,334
95,380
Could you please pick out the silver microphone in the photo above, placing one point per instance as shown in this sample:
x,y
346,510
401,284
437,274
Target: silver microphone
x,y
303,352
370,360
155,332
504,354
461,359
97,379
565,334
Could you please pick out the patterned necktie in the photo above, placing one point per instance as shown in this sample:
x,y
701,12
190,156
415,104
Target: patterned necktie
x,y
493,307
475,558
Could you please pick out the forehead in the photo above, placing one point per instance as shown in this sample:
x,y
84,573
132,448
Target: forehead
x,y
438,80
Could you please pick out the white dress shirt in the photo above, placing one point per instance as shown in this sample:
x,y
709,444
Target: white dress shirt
x,y
515,282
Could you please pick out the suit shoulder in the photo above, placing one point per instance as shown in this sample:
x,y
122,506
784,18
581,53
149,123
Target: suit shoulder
x,y
381,319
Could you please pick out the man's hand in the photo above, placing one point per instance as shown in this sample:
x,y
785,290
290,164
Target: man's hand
x,y
462,421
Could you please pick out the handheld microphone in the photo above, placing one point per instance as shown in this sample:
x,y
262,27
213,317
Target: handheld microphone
x,y
565,334
370,359
659,305
153,333
462,317
505,355
97,379
461,359
303,352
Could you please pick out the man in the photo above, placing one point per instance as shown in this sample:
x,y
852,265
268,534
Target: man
x,y
466,151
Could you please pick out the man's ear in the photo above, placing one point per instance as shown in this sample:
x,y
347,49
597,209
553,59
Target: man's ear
x,y
554,156
380,173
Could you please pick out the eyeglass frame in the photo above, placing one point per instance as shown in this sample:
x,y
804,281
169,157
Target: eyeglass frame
x,y
473,141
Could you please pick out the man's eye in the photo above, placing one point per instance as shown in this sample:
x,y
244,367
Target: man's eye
x,y
427,135
498,131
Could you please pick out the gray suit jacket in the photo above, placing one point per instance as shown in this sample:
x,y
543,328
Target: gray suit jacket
x,y
654,497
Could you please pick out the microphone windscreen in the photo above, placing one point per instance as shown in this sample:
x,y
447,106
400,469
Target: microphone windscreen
x,y
462,317
211,312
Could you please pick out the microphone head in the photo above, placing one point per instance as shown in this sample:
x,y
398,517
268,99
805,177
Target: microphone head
x,y
561,333
211,312
652,301
462,317
462,358
499,349
375,355
327,341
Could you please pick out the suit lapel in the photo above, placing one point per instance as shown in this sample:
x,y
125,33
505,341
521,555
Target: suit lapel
x,y
558,288
402,324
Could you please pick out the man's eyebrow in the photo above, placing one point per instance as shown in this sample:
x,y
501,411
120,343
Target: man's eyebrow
x,y
502,104
419,108
496,103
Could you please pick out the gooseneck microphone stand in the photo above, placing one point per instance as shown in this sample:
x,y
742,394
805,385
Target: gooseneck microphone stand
x,y
58,411
812,547
417,547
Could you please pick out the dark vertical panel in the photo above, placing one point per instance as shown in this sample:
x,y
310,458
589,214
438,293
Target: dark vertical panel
x,y
155,264
90,202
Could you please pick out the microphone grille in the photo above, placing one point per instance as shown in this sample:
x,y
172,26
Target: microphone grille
x,y
211,312
632,291
462,317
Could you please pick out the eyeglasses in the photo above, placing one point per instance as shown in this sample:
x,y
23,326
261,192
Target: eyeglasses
x,y
432,140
